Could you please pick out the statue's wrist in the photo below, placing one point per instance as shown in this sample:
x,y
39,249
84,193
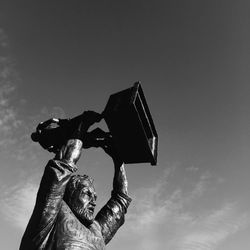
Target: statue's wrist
x,y
118,162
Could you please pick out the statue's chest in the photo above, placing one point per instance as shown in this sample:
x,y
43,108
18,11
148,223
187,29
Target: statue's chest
x,y
70,232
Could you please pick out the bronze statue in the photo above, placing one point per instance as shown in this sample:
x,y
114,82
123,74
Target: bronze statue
x,y
63,218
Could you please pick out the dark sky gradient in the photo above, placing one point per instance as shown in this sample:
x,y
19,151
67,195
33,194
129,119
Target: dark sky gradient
x,y
192,58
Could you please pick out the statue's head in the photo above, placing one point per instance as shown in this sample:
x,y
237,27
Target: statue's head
x,y
81,197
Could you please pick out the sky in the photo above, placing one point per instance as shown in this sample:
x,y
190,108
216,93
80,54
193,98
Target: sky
x,y
59,58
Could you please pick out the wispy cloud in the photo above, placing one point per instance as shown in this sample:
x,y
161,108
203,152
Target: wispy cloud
x,y
164,219
17,203
27,149
15,131
209,231
9,120
157,219
192,169
3,39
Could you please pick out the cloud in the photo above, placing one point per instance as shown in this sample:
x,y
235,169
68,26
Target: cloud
x,y
192,169
9,121
161,217
212,229
15,131
157,218
3,39
17,203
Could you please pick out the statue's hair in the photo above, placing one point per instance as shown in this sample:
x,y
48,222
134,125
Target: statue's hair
x,y
75,183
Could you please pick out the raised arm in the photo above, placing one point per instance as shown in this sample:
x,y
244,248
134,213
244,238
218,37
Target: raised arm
x,y
120,183
51,191
50,194
111,216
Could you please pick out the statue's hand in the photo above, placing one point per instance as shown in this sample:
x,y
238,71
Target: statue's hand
x,y
100,138
110,148
53,133
49,124
90,117
78,126
49,134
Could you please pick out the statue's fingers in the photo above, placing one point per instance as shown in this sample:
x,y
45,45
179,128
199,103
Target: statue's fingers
x,y
56,120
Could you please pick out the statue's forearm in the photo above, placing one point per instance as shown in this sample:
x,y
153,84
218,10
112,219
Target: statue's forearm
x,y
71,152
120,183
48,203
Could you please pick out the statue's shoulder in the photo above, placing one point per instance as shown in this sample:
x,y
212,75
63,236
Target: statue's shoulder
x,y
65,207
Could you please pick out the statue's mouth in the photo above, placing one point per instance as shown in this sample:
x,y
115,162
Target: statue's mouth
x,y
91,208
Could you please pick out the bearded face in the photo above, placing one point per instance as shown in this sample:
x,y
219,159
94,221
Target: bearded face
x,y
83,202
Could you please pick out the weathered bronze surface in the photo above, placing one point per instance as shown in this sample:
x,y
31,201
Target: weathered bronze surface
x,y
129,120
53,224
63,218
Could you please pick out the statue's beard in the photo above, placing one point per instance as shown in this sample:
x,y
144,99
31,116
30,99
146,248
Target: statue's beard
x,y
85,215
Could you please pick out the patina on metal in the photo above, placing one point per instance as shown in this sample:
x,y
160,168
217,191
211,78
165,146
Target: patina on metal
x,y
63,216
128,118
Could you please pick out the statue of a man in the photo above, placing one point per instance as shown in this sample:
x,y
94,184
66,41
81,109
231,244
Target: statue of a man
x,y
63,218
